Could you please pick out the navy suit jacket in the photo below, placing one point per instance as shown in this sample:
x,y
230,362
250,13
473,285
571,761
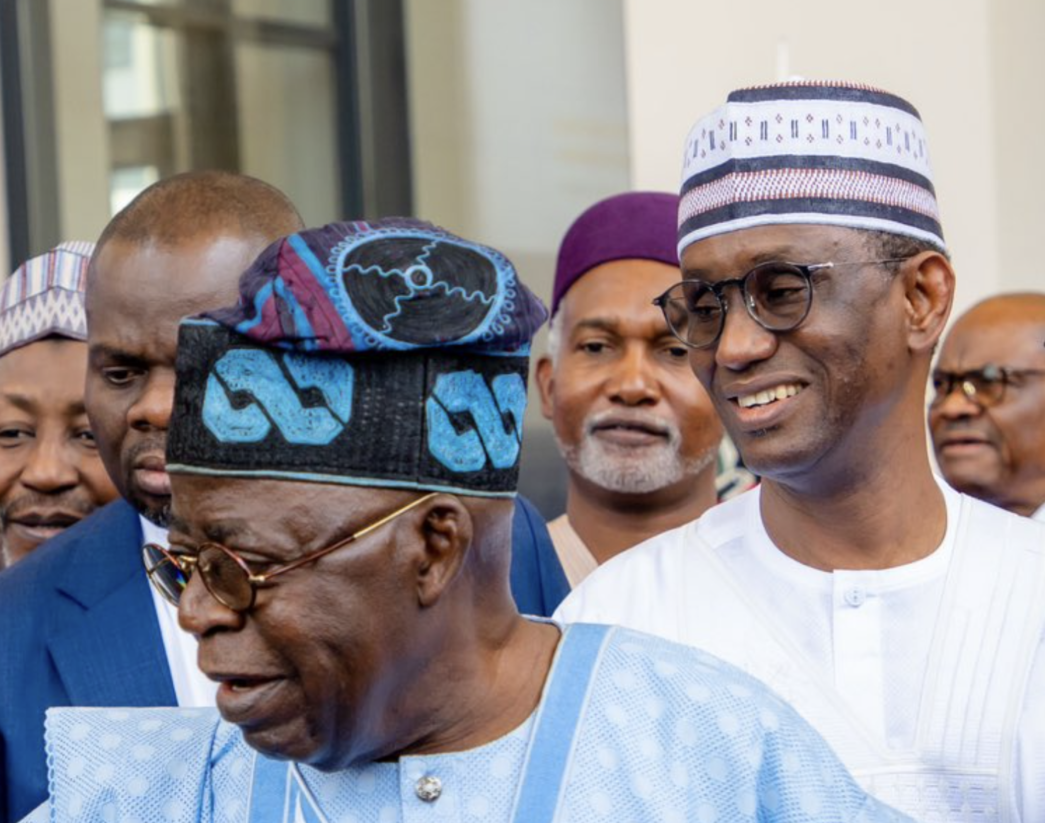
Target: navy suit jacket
x,y
78,628
539,583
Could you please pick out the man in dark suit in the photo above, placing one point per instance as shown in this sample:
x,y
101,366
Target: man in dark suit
x,y
79,622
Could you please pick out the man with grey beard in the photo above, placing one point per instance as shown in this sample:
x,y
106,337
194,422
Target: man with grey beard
x,y
637,431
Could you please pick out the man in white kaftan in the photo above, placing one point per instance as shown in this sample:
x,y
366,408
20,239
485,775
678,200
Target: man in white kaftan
x,y
927,679
904,621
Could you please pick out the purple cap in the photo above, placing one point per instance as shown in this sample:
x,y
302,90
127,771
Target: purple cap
x,y
639,225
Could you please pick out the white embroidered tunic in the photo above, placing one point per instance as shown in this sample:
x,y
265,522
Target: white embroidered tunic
x,y
928,679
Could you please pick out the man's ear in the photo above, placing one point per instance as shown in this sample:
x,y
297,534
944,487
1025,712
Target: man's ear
x,y
445,529
929,292
545,374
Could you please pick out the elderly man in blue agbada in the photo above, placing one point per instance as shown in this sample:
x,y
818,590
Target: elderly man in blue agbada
x,y
343,453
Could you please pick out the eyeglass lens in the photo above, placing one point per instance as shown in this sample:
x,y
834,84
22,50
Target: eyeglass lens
x,y
224,578
165,573
985,387
776,295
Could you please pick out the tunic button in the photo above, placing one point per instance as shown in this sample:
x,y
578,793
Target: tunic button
x,y
855,597
429,788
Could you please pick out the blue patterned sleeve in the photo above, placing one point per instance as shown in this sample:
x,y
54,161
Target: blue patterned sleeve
x,y
144,765
801,778
674,734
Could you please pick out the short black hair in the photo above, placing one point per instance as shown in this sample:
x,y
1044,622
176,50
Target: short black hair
x,y
887,245
184,205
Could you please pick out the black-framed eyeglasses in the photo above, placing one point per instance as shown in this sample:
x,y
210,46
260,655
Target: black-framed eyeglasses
x,y
984,386
226,575
777,296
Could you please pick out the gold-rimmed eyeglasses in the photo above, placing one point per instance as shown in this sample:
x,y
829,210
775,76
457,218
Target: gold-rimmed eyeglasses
x,y
226,575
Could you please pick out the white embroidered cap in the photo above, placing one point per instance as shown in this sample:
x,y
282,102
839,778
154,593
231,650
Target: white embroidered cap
x,y
45,296
838,154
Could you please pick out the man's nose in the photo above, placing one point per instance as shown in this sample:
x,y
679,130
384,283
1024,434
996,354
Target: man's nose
x,y
634,381
201,613
743,340
151,411
956,403
51,467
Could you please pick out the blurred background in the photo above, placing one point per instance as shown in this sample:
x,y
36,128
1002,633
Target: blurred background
x,y
498,119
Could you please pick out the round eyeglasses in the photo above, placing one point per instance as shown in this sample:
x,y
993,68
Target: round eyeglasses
x,y
985,386
777,296
226,575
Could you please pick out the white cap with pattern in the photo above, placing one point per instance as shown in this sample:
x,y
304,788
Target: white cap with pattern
x,y
838,154
45,297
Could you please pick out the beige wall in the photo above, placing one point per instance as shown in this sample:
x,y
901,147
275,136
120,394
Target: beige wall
x,y
518,119
81,134
1017,78
977,86
5,251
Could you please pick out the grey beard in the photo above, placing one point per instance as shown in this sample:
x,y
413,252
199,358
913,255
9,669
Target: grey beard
x,y
632,470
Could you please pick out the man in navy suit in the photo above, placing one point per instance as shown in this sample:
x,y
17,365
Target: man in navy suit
x,y
80,623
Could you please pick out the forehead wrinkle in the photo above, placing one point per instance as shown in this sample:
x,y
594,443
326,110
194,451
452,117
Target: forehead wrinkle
x,y
224,531
28,403
113,352
782,253
609,324
227,528
805,244
1013,343
20,401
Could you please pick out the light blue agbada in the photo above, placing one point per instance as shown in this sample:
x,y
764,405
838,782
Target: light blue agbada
x,y
629,728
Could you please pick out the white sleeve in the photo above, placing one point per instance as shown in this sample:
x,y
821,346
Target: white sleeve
x,y
633,589
602,595
578,607
1030,746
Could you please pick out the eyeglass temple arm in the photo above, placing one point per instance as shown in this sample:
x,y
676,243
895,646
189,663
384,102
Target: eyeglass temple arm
x,y
308,558
169,557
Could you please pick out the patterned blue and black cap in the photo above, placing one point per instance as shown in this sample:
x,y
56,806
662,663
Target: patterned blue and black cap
x,y
387,353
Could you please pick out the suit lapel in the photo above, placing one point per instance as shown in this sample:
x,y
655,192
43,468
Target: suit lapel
x,y
103,635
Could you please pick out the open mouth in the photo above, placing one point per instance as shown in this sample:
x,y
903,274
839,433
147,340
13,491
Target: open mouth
x,y
767,396
238,683
243,684
243,699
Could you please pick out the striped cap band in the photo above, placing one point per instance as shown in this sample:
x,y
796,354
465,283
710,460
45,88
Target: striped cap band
x,y
829,153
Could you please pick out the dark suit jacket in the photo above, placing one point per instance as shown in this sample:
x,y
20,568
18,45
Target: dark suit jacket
x,y
78,628
539,583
